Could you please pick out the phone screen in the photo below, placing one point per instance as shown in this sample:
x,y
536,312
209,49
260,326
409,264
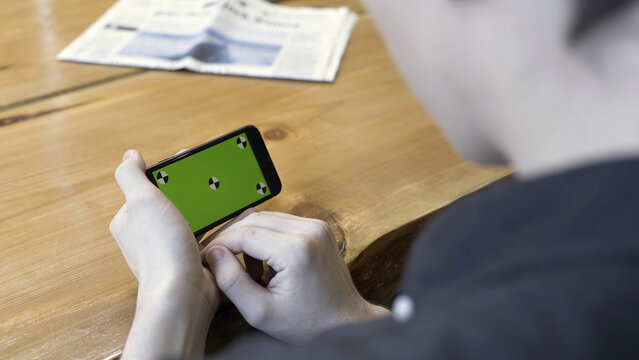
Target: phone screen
x,y
212,183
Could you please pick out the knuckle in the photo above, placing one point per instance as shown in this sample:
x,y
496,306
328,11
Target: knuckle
x,y
248,233
244,235
229,281
115,226
317,234
258,316
122,169
319,230
305,249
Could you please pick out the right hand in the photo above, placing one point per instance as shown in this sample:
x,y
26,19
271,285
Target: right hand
x,y
312,289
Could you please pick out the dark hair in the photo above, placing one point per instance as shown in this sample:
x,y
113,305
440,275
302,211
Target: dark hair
x,y
591,13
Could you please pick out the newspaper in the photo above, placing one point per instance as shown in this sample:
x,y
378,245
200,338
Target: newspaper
x,y
232,37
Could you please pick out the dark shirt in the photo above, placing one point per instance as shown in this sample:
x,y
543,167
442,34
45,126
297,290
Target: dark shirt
x,y
541,269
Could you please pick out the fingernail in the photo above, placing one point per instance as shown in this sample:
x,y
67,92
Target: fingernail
x,y
215,255
128,154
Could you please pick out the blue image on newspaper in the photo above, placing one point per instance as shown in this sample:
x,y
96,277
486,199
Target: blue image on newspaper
x,y
209,47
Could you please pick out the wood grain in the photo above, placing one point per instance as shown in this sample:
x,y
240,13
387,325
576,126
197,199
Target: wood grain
x,y
359,152
31,35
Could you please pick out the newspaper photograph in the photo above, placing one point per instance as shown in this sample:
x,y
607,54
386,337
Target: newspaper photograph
x,y
231,37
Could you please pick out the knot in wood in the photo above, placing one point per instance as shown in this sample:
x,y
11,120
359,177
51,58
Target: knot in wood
x,y
275,134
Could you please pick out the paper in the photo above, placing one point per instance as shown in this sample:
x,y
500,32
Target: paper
x,y
232,37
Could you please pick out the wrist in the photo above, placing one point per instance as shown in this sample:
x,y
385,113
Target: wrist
x,y
182,297
363,310
372,311
192,293
178,300
170,320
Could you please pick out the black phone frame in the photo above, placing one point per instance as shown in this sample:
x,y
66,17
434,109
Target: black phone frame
x,y
261,154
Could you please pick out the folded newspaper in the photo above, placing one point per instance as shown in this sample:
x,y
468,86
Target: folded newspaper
x,y
233,37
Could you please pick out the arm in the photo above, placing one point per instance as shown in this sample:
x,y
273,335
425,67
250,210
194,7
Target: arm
x,y
177,296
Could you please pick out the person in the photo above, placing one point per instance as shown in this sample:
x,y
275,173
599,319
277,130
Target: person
x,y
542,267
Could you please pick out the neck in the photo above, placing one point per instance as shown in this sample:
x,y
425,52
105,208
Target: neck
x,y
584,114
550,159
576,107
570,132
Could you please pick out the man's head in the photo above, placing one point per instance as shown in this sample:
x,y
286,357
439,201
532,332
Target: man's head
x,y
497,75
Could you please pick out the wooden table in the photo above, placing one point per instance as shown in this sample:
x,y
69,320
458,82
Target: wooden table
x,y
359,153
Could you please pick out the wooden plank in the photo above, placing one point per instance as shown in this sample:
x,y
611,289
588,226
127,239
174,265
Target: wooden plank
x,y
359,153
32,33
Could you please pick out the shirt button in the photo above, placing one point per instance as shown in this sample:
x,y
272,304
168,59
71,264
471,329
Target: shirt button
x,y
403,308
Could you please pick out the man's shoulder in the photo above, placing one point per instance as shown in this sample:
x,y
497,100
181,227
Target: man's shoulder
x,y
550,263
578,213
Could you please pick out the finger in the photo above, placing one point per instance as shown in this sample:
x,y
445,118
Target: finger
x,y
290,216
259,243
271,221
270,275
240,217
130,175
297,223
254,267
247,295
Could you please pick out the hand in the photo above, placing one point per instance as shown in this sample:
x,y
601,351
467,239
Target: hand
x,y
312,289
176,292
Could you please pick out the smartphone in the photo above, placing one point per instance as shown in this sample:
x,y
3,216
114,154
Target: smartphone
x,y
216,181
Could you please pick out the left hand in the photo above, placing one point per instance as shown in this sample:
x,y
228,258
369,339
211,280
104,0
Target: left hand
x,y
156,240
177,295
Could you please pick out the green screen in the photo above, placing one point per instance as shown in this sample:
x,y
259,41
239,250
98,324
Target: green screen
x,y
214,183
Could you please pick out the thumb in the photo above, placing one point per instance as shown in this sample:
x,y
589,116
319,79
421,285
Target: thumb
x,y
130,174
247,295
